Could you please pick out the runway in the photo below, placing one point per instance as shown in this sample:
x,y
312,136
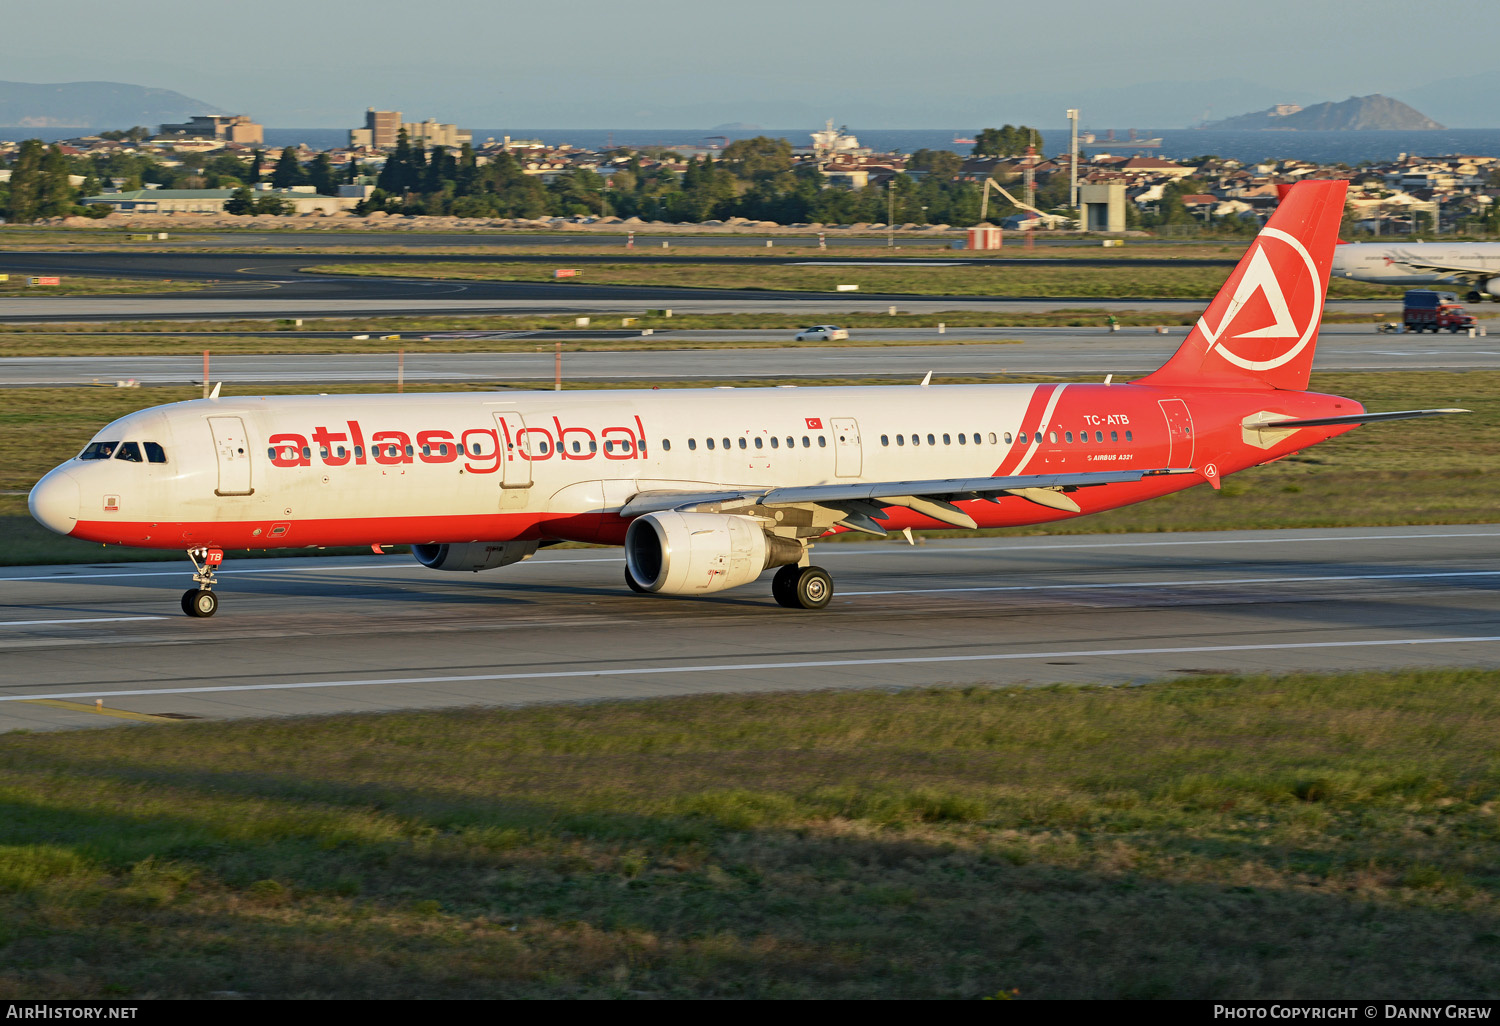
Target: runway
x,y
1062,351
315,636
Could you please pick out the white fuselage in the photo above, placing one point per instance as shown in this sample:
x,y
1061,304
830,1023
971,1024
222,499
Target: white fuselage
x,y
1418,263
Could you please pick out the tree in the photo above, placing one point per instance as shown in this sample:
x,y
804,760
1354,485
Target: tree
x,y
937,163
56,196
288,170
26,182
270,203
755,158
1009,141
321,176
242,202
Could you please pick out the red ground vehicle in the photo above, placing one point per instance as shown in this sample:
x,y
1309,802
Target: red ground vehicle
x,y
1426,310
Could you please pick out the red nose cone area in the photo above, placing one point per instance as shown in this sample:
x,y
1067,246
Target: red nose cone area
x,y
55,501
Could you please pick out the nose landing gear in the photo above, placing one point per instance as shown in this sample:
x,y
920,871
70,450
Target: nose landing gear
x,y
201,601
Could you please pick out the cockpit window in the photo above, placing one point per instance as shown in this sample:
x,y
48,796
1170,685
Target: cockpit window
x,y
99,451
154,452
130,452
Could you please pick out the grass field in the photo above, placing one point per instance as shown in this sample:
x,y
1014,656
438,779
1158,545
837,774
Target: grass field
x,y
1224,837
960,280
77,285
1414,472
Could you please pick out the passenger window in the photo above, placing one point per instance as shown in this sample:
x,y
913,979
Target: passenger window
x,y
947,440
271,453
931,440
759,443
775,442
98,451
577,445
609,446
742,442
1007,438
992,438
306,452
155,453
900,439
885,439
1068,435
343,452
323,452
822,442
1052,437
1114,436
693,443
1129,437
442,448
791,443
593,445
1083,436
542,446
426,450
962,436
409,451
1022,437
666,445
916,439
806,442
726,443
359,452
130,452
710,442
1098,436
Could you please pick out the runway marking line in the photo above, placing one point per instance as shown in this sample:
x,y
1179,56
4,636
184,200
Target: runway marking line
x,y
801,664
903,550
92,619
1090,586
121,714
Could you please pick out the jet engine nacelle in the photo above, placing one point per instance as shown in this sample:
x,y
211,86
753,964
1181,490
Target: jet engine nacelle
x,y
1493,286
696,553
473,556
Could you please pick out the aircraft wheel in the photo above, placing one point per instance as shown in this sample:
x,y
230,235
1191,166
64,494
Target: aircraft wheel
x,y
814,588
784,586
199,603
1475,297
630,582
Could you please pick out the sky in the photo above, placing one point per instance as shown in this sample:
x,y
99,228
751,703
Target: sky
x,y
777,63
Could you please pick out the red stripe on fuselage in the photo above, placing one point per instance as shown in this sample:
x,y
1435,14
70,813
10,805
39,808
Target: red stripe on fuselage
x,y
1034,410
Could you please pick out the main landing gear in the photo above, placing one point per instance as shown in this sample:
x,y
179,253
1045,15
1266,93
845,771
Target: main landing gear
x,y
201,601
802,587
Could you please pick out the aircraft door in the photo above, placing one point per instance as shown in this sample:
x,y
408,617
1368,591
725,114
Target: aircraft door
x,y
1179,432
848,457
515,473
232,449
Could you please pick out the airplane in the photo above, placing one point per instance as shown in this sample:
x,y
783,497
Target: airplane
x,y
1475,264
707,489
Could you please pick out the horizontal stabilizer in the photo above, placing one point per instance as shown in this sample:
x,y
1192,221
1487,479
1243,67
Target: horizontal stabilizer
x,y
1353,418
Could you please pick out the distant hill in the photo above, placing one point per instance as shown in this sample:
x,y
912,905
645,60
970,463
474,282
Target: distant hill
x,y
93,105
1358,113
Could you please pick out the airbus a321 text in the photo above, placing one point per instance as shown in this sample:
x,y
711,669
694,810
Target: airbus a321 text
x,y
707,489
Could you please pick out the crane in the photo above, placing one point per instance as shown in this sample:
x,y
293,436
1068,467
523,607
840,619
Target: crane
x,y
1050,220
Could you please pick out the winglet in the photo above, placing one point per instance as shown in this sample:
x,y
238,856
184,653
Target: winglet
x,y
215,393
927,380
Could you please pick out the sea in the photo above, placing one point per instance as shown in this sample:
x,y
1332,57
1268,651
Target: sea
x,y
1176,143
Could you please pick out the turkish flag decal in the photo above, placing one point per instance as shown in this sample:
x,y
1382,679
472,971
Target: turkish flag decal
x,y
815,423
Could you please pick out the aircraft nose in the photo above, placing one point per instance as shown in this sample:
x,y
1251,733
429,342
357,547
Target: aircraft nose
x,y
55,501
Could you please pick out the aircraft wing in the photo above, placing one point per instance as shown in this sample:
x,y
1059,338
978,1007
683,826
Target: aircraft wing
x,y
858,505
1456,270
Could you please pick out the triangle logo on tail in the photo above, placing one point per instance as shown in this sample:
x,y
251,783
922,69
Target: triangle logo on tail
x,y
1258,277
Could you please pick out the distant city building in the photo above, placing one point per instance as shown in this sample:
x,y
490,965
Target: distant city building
x,y
384,127
235,128
300,199
431,133
380,131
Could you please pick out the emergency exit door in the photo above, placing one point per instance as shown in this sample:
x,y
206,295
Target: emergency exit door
x,y
848,458
1179,432
232,448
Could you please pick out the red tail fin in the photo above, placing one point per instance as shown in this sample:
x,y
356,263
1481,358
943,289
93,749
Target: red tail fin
x,y
1261,329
